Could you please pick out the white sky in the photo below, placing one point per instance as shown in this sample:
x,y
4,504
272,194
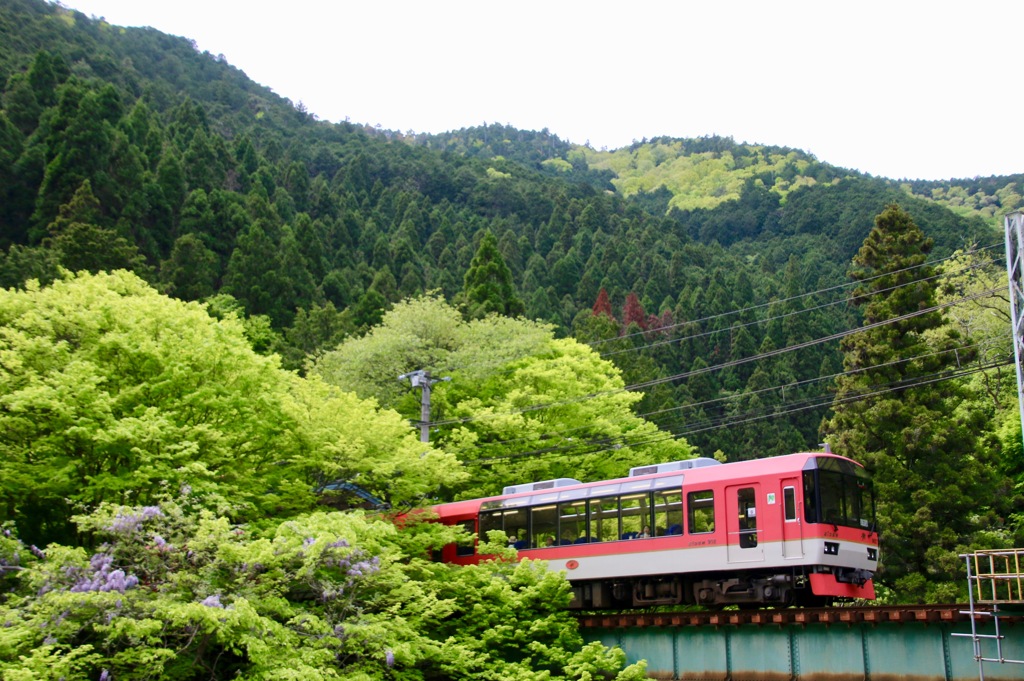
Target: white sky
x,y
895,88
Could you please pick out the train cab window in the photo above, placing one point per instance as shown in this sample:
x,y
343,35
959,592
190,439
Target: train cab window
x,y
544,526
466,549
636,515
701,512
789,503
668,512
839,493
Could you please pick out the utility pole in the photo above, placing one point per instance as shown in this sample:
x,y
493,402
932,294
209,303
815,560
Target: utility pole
x,y
1015,272
421,379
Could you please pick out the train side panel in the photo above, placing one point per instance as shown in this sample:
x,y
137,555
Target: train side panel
x,y
747,532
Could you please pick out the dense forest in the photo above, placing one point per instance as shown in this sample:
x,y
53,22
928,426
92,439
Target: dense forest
x,y
208,292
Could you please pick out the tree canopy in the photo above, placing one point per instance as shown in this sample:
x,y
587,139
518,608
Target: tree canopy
x,y
113,392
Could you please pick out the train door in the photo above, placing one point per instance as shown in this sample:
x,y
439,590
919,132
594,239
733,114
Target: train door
x,y
792,528
741,523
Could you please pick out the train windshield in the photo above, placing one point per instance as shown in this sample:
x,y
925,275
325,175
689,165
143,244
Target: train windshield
x,y
838,492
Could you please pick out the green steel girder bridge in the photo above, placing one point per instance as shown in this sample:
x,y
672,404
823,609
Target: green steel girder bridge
x,y
982,639
922,643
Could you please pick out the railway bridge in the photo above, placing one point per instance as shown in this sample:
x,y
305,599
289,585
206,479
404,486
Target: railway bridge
x,y
982,639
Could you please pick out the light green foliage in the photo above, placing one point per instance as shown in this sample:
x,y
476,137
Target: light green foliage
x,y
523,403
559,413
698,180
175,592
113,392
975,201
559,164
414,334
427,333
109,389
340,436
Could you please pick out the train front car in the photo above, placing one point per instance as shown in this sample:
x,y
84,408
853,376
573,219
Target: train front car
x,y
796,529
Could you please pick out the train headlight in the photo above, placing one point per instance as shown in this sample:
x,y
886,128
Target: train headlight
x,y
831,548
873,554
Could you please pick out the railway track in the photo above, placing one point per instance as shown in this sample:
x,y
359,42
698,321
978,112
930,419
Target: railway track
x,y
841,615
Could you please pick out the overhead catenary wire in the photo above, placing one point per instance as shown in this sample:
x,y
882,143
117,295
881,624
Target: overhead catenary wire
x,y
756,322
605,444
772,303
653,416
844,285
718,367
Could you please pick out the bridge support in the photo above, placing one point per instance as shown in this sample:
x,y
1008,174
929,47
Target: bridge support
x,y
910,650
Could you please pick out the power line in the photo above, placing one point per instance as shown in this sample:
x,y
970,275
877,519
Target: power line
x,y
652,416
757,322
844,285
803,405
717,367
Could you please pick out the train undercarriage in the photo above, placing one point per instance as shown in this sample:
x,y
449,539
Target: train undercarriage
x,y
745,589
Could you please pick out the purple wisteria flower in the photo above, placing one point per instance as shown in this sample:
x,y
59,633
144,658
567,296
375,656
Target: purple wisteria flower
x,y
103,577
127,523
212,601
389,658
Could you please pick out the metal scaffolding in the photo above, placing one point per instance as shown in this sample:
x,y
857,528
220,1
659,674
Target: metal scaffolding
x,y
1015,273
995,585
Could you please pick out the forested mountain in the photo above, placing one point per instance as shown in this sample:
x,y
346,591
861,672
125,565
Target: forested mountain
x,y
691,264
129,148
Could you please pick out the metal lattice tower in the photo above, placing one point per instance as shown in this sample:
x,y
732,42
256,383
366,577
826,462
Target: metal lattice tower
x,y
1015,272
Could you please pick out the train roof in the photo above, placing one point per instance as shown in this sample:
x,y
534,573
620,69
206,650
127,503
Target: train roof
x,y
672,476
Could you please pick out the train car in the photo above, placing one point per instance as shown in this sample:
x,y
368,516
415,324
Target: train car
x,y
795,529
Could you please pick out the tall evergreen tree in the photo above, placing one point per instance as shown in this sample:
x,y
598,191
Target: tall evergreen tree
x,y
911,433
488,284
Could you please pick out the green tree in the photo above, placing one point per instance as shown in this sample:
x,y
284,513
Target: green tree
x,y
113,392
519,404
191,271
911,433
488,285
176,592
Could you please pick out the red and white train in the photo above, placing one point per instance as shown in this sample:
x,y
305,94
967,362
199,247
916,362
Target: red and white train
x,y
796,529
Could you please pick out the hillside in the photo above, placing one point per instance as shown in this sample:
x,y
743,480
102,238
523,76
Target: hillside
x,y
595,309
124,147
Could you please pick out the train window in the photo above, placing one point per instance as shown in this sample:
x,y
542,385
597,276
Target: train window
x,y
544,526
701,509
789,502
839,493
572,521
636,515
604,519
810,498
516,528
512,521
668,512
489,521
466,549
747,510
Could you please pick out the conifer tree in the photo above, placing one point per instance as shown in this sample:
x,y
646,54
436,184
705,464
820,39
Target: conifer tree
x,y
603,305
906,429
488,284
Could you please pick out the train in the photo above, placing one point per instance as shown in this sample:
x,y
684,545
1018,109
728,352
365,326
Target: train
x,y
797,529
